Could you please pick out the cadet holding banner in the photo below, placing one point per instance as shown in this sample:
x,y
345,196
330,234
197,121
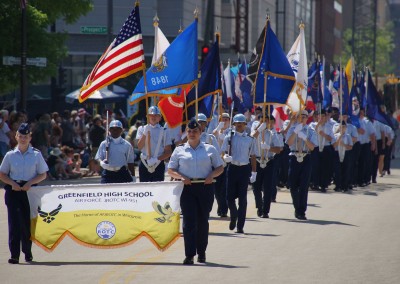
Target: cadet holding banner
x,y
196,164
155,143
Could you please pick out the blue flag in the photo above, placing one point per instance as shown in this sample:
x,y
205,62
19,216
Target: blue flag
x,y
374,103
209,84
314,83
274,65
176,67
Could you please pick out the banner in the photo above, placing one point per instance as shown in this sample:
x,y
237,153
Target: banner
x,y
106,215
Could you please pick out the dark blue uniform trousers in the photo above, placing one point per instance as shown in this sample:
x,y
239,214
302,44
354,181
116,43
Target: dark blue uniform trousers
x,y
120,176
263,186
220,193
364,164
158,174
299,178
196,204
315,168
19,223
236,187
342,171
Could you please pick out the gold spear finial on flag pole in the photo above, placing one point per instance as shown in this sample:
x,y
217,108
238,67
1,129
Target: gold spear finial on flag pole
x,y
196,13
155,20
180,26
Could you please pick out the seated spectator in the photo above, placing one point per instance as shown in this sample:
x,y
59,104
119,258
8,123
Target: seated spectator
x,y
56,165
69,166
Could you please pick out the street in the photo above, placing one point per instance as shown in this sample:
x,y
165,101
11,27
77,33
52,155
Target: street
x,y
348,238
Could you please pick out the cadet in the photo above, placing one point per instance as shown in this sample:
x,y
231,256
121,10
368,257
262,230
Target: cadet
x,y
155,143
116,157
21,168
196,164
206,137
220,185
238,148
342,160
268,145
301,139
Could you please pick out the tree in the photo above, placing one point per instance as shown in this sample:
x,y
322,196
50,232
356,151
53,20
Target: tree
x,y
364,41
40,15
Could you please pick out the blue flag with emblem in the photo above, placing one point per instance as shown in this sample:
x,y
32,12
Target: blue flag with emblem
x,y
177,67
275,66
374,103
209,84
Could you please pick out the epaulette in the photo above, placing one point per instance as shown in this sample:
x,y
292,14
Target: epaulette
x,y
179,145
35,149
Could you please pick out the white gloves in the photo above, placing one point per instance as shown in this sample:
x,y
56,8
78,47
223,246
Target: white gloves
x,y
133,178
152,161
105,165
302,135
298,128
146,129
262,127
227,158
221,136
253,177
220,126
265,146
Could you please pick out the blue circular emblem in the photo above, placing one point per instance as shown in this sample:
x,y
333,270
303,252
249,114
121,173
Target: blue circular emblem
x,y
106,230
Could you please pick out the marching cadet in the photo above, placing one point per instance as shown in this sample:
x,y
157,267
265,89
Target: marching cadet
x,y
20,169
343,144
268,145
116,156
155,143
378,155
388,150
284,155
196,164
206,137
220,185
301,140
239,148
324,137
277,157
367,142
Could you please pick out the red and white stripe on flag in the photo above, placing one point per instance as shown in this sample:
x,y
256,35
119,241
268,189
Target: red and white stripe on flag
x,y
122,58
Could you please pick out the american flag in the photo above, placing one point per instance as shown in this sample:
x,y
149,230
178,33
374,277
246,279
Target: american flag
x,y
122,58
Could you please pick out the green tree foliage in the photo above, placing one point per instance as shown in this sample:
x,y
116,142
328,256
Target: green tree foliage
x,y
40,15
363,51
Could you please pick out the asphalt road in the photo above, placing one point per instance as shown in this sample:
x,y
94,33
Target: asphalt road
x,y
349,238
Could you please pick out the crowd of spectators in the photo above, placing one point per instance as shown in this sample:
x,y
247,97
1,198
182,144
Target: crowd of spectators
x,y
68,141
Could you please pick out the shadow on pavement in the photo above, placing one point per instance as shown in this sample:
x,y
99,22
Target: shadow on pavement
x,y
62,263
290,203
235,235
316,222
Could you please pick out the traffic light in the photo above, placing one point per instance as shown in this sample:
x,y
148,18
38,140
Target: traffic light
x,y
62,76
204,52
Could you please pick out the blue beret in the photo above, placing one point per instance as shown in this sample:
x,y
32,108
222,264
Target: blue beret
x,y
24,129
193,124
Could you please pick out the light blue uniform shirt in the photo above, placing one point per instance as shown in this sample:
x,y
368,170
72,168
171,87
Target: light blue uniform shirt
x,y
25,166
346,139
195,163
155,132
272,139
120,153
379,127
210,139
311,136
326,128
368,130
243,146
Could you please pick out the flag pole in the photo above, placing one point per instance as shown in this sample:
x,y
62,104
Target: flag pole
x,y
155,24
366,88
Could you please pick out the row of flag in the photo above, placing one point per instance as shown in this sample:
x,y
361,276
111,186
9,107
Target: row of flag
x,y
271,78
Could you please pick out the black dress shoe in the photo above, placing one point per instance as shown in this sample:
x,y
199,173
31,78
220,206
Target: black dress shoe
x,y
28,258
232,224
201,258
240,231
223,215
265,215
188,260
259,213
13,261
323,189
301,217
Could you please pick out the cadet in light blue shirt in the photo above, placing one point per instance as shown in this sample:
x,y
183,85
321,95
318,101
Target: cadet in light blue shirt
x,y
196,164
21,168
